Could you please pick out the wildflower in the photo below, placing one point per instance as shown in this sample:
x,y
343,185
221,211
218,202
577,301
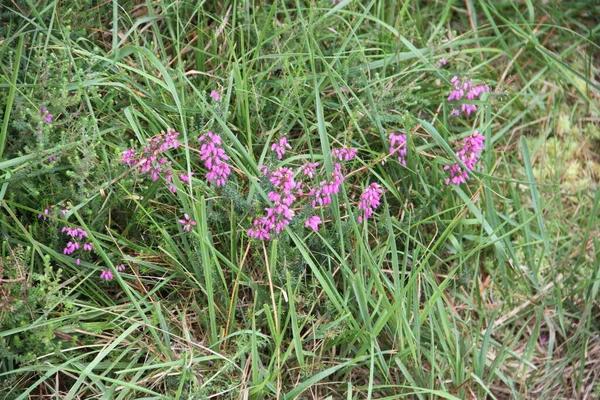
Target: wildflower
x,y
336,1
309,169
46,213
47,116
344,154
398,146
186,177
121,267
106,275
52,158
187,223
214,158
280,147
369,201
473,145
88,247
442,62
263,169
466,90
216,96
313,222
261,229
150,161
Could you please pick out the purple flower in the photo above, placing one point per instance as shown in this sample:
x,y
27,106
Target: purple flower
x,y
473,145
398,146
309,169
106,275
313,222
466,90
344,154
280,147
88,247
261,229
121,267
187,223
186,177
214,158
369,201
216,96
46,115
46,213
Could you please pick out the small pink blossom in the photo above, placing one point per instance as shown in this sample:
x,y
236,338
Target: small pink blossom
x,y
46,213
186,177
216,96
121,267
215,159
369,201
313,222
46,115
280,147
309,169
106,275
345,153
187,223
398,147
473,145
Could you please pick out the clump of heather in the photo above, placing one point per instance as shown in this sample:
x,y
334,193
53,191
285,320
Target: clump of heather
x,y
214,158
369,201
107,274
465,90
151,160
398,147
280,147
76,242
344,154
468,155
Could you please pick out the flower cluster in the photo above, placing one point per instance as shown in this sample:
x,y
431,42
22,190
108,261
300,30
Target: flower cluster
x,y
398,147
369,201
309,169
322,195
216,96
75,243
107,275
344,154
215,159
46,115
280,147
466,90
468,155
151,161
187,223
280,215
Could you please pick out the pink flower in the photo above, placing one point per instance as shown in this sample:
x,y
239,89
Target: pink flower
x,y
214,158
106,275
466,90
345,153
473,145
261,229
187,223
369,201
216,96
309,169
186,177
313,222
46,213
121,267
442,62
88,247
398,146
280,147
47,116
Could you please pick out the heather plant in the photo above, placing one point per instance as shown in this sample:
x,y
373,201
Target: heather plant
x,y
332,199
